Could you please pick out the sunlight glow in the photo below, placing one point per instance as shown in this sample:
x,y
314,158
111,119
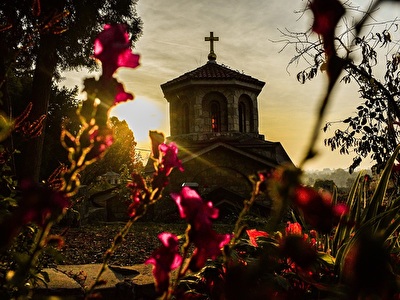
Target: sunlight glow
x,y
141,114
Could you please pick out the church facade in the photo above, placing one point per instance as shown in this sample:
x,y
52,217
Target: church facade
x,y
214,121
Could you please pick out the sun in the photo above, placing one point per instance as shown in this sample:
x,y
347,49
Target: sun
x,y
142,114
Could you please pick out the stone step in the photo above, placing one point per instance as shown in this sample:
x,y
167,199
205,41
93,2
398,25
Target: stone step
x,y
70,282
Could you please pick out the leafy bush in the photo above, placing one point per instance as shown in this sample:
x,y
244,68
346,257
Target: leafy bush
x,y
311,247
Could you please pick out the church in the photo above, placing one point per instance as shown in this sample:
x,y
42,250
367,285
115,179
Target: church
x,y
214,121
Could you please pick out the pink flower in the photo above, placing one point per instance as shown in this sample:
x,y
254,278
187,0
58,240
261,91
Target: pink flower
x,y
313,234
40,204
164,260
139,192
112,48
340,209
208,245
169,158
254,234
198,213
318,209
166,157
301,252
293,229
262,181
121,95
101,140
194,209
327,14
135,204
367,268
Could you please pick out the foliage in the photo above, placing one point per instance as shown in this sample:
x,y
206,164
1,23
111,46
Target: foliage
x,y
327,185
120,155
62,112
327,249
41,38
297,262
372,130
62,107
74,25
371,61
341,177
41,205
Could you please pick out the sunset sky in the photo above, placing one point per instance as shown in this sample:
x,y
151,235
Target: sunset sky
x,y
173,43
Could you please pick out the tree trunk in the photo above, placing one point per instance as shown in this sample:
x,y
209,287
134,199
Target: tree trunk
x,y
46,62
5,103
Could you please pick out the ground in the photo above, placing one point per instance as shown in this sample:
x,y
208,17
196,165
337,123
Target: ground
x,y
87,244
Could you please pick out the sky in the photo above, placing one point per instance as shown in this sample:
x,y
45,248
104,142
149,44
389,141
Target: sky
x,y
173,44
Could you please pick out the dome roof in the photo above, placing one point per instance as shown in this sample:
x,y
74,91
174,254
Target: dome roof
x,y
212,71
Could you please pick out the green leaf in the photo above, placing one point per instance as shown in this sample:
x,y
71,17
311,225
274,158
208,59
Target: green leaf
x,y
343,231
380,191
329,259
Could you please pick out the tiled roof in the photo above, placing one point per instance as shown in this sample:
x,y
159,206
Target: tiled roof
x,y
212,70
267,153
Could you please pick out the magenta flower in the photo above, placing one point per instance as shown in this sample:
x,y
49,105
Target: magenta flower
x,y
121,95
318,209
40,204
300,251
194,209
112,48
101,140
327,14
135,204
254,234
166,158
208,245
138,193
198,213
293,229
169,158
164,260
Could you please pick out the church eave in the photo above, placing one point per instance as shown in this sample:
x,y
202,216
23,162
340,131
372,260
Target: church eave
x,y
187,81
182,85
263,161
214,71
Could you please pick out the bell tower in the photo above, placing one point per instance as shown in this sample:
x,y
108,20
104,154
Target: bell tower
x,y
214,122
213,101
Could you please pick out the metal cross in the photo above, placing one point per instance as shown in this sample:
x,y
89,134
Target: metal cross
x,y
211,39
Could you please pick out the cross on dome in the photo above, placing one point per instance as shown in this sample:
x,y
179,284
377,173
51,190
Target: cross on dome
x,y
211,56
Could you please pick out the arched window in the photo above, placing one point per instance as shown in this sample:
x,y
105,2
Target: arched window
x,y
215,116
242,117
185,118
247,115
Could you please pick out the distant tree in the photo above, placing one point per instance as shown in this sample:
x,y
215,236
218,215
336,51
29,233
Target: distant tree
x,y
45,37
373,130
349,182
119,158
62,112
327,185
62,107
342,178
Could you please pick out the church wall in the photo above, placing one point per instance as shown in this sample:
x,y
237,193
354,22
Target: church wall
x,y
174,115
255,114
197,126
218,168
